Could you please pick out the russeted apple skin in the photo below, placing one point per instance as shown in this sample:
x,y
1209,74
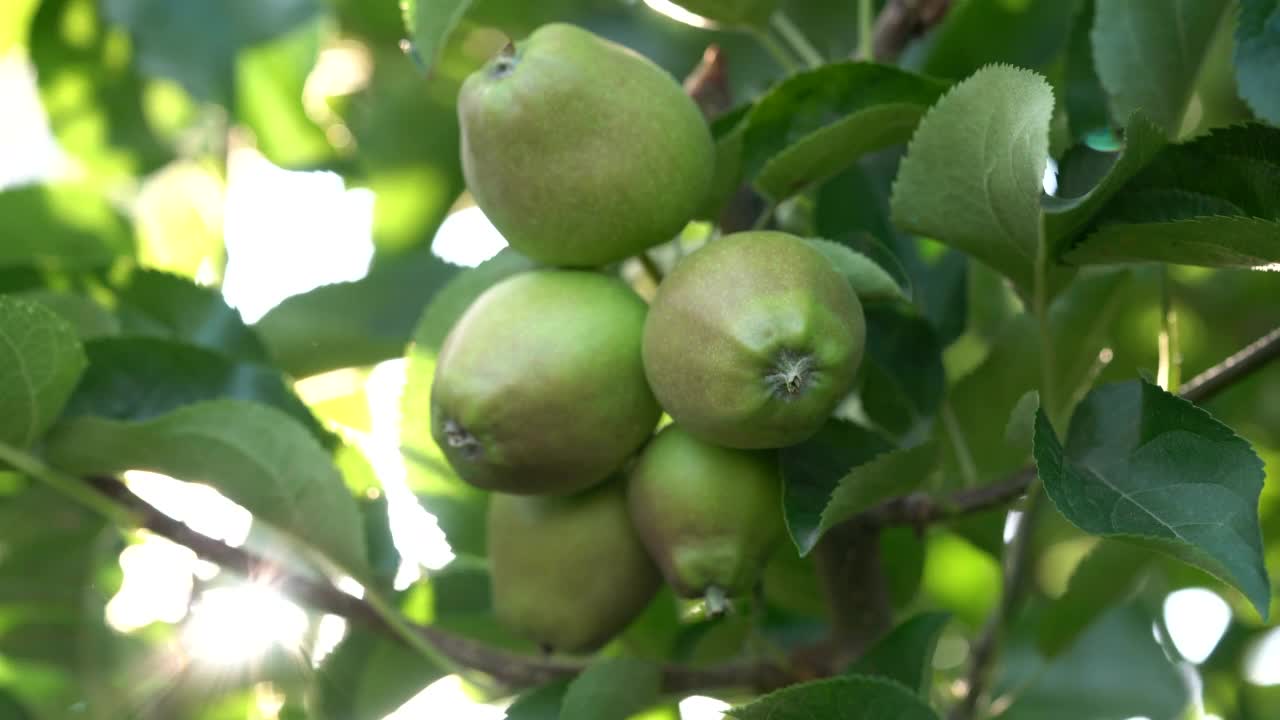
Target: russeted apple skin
x,y
539,388
710,516
568,573
753,340
580,151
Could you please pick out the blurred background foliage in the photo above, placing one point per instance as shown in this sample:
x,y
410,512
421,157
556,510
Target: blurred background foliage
x,y
155,151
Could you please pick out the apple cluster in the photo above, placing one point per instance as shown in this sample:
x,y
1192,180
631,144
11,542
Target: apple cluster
x,y
550,387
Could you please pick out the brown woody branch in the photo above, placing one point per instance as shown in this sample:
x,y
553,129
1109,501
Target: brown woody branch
x,y
900,22
517,670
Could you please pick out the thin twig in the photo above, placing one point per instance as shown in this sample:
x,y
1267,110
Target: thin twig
x,y
516,670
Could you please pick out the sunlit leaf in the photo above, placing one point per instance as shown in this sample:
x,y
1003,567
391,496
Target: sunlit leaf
x,y
256,455
40,362
66,226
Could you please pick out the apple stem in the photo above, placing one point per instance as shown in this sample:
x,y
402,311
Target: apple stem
x,y
717,602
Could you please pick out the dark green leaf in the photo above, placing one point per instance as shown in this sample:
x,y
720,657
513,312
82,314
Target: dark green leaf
x,y
1029,33
256,455
92,91
1210,241
156,303
906,653
354,323
813,470
429,23
1085,100
1069,214
612,689
62,226
12,709
142,378
1108,575
369,676
1257,57
40,363
890,475
194,42
1145,465
462,289
973,171
848,698
815,124
1116,670
90,319
905,379
1149,55
542,703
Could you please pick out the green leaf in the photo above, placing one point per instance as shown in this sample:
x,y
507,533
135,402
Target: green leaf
x,y
353,323
14,20
269,82
1083,96
142,378
541,703
62,226
369,676
1149,55
1106,577
164,305
1210,241
848,698
93,93
905,380
1145,465
869,281
813,470
887,476
195,43
90,319
40,363
1067,216
457,295
429,23
612,689
906,653
973,171
256,455
10,707
1258,55
815,124
1027,33
1116,670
